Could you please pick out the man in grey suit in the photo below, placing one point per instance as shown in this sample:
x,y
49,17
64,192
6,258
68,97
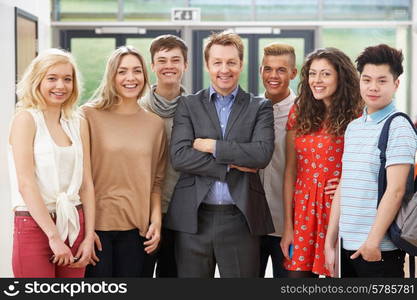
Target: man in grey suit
x,y
220,137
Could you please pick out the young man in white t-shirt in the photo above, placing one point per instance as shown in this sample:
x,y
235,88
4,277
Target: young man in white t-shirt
x,y
277,70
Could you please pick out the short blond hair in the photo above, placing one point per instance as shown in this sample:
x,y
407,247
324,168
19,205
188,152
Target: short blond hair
x,y
28,88
106,95
225,38
277,49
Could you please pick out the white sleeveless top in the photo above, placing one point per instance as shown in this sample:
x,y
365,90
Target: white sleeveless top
x,y
66,162
58,171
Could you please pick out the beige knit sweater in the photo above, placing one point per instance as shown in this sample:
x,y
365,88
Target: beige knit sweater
x,y
128,158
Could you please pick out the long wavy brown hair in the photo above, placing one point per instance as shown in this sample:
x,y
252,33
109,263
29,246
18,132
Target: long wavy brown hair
x,y
346,103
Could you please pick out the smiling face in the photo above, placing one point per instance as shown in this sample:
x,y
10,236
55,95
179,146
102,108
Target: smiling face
x,y
169,66
57,85
378,86
129,77
277,71
224,67
322,79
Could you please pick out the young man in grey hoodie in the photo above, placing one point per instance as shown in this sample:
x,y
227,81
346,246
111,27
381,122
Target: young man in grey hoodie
x,y
169,63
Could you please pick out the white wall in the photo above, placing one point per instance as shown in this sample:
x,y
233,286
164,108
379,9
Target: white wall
x,y
40,9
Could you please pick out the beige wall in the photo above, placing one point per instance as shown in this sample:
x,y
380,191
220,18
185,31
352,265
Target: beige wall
x,y
40,9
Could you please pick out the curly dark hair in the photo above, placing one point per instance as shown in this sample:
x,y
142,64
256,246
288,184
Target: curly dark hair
x,y
346,104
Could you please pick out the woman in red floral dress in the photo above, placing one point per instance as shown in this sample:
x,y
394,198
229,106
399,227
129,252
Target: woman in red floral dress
x,y
328,100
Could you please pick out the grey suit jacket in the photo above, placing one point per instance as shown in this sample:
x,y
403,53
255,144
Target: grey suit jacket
x,y
248,142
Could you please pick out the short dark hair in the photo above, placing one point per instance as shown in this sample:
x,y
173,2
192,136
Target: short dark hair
x,y
381,54
168,42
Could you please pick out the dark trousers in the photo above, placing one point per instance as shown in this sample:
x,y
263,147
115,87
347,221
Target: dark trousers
x,y
270,247
164,258
391,265
122,255
223,238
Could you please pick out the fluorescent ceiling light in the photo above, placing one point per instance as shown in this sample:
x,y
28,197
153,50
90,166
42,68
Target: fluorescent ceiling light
x,y
122,30
253,30
276,31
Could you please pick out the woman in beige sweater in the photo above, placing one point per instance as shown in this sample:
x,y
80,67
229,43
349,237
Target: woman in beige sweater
x,y
128,157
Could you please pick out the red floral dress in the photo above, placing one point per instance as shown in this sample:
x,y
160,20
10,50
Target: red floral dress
x,y
319,158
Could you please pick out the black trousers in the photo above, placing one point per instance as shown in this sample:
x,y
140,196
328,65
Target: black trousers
x,y
391,265
122,254
270,247
223,238
164,258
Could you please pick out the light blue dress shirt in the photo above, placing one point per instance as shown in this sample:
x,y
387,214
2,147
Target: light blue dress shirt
x,y
219,193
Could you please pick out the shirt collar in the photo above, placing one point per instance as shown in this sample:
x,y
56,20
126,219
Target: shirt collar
x,y
232,94
379,115
285,100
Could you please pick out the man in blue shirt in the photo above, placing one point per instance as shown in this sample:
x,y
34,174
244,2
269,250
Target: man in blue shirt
x,y
221,136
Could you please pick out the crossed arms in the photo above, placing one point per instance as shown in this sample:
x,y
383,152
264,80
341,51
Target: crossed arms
x,y
191,154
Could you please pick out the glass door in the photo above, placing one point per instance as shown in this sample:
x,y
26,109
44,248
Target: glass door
x,y
301,40
91,51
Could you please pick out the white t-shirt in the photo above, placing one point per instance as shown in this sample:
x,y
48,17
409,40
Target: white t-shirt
x,y
272,176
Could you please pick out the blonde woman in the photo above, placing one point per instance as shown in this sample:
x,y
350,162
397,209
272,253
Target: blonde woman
x,y
128,164
49,163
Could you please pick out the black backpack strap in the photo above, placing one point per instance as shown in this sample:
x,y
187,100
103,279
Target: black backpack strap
x,y
382,146
415,184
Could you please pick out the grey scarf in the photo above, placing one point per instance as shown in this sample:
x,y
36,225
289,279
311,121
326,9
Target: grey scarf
x,y
159,105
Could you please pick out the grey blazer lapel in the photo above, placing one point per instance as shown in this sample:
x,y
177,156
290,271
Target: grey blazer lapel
x,y
211,111
237,107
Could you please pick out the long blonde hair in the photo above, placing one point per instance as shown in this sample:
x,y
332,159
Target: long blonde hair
x,y
106,95
28,89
